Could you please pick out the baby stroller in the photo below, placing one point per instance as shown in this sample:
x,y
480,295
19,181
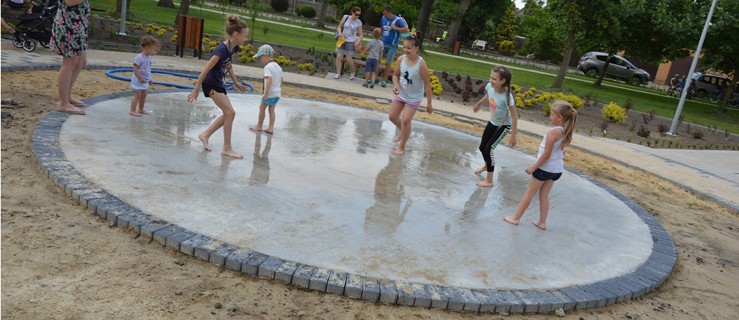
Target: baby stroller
x,y
35,26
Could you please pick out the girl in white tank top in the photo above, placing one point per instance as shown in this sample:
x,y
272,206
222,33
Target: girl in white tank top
x,y
549,163
410,82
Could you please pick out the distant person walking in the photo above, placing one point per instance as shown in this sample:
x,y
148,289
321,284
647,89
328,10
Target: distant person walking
x,y
348,28
211,80
392,26
503,118
549,163
410,82
69,40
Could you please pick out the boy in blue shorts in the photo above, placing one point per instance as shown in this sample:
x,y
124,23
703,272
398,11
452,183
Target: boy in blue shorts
x,y
272,87
373,52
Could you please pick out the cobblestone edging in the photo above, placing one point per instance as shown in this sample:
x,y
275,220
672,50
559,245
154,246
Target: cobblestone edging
x,y
646,278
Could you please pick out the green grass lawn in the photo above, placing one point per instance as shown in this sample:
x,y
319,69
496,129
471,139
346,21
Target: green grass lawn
x,y
697,113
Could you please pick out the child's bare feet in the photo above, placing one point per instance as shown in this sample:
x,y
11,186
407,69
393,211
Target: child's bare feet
x,y
399,151
76,103
204,140
256,128
484,183
481,170
510,220
231,153
397,138
542,226
134,113
270,131
144,112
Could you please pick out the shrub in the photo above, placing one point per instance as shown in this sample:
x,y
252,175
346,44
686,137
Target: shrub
x,y
628,104
507,46
280,5
647,117
643,132
698,134
614,113
307,11
662,128
547,108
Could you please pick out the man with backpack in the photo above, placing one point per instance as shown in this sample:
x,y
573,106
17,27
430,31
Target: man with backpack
x,y
392,26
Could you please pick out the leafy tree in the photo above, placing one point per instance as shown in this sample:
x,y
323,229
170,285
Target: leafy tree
x,y
322,16
454,27
720,50
423,18
544,35
506,29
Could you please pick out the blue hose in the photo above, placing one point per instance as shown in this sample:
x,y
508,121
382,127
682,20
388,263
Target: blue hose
x,y
111,73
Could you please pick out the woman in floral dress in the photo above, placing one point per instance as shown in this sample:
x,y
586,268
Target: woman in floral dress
x,y
69,40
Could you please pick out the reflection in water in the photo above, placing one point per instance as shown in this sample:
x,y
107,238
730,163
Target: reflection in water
x,y
368,133
260,165
173,123
386,215
324,133
475,203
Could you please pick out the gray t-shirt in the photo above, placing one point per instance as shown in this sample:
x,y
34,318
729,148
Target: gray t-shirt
x,y
375,48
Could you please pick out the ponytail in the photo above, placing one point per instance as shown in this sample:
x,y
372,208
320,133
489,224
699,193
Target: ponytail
x,y
569,117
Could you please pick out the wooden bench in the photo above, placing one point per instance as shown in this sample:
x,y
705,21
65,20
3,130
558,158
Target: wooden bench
x,y
479,43
361,63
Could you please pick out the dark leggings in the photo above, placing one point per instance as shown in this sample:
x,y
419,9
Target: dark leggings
x,y
490,138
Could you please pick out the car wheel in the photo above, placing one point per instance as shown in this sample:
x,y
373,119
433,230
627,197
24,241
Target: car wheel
x,y
592,72
701,93
637,81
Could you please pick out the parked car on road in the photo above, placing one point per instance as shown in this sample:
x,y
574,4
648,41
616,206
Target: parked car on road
x,y
707,84
592,63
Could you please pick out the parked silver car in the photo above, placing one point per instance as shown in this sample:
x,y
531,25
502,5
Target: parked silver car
x,y
707,84
592,63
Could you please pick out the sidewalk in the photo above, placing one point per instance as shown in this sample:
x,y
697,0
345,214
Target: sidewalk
x,y
712,173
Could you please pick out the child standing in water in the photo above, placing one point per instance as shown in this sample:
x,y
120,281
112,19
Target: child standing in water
x,y
272,87
141,77
550,162
211,79
410,82
503,119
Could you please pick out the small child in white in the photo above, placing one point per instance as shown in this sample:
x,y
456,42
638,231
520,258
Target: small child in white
x,y
141,77
272,87
373,51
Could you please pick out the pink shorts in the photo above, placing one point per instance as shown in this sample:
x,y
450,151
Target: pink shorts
x,y
412,105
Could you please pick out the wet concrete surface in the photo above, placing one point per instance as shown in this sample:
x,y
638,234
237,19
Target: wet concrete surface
x,y
327,190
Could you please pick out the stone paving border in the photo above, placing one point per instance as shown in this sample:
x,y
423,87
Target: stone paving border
x,y
646,278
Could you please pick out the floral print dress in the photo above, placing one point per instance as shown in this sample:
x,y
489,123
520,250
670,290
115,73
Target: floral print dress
x,y
69,33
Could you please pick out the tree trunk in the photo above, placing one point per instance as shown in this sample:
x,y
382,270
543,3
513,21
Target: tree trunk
x,y
423,19
565,60
457,23
119,4
165,3
322,16
602,73
184,9
728,94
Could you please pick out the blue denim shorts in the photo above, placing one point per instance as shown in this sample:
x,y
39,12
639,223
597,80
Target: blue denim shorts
x,y
542,175
390,50
370,65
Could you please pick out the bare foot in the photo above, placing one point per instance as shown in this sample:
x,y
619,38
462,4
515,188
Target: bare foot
x,y
204,140
397,138
76,103
399,151
69,109
485,183
256,128
481,170
232,154
510,220
270,131
134,113
144,112
542,226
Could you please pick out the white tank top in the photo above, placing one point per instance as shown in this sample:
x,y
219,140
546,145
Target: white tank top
x,y
555,163
410,82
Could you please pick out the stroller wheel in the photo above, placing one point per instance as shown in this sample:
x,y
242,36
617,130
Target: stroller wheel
x,y
46,45
18,41
29,45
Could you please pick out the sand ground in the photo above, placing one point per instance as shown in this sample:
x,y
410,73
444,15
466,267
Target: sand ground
x,y
61,262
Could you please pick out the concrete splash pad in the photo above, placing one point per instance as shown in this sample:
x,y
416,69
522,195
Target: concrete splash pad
x,y
325,204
